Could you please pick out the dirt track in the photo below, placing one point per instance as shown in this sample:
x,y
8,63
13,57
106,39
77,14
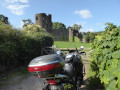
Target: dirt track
x,y
86,64
29,83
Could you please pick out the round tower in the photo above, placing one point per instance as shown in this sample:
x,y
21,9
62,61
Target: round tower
x,y
39,19
49,17
44,21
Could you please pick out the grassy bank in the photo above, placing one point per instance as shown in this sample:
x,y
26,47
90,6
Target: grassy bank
x,y
61,44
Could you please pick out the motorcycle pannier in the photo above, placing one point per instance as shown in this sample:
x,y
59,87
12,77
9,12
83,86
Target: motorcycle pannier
x,y
45,66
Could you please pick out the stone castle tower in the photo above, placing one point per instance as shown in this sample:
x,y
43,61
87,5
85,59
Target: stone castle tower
x,y
44,21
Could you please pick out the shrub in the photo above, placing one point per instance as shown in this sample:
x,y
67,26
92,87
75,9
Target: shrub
x,y
18,47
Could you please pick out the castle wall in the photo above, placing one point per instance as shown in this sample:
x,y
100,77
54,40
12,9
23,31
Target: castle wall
x,y
45,21
71,39
60,34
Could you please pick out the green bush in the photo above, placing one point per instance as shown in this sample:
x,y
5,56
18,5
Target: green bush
x,y
18,47
106,58
94,83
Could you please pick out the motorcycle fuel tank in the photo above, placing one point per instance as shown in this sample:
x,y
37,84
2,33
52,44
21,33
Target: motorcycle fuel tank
x,y
45,66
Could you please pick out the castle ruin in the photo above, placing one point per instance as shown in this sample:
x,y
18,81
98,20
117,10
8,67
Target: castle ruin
x,y
45,21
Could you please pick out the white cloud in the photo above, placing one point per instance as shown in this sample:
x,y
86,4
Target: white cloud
x,y
85,13
16,1
98,24
15,6
17,9
21,25
90,30
103,26
81,23
87,30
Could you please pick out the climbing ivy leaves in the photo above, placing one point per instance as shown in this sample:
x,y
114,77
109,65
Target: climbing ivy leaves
x,y
106,57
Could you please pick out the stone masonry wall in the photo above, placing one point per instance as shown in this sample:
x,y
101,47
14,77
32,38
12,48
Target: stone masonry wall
x,y
60,34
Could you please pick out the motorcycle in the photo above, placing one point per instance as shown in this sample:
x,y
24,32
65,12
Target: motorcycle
x,y
63,74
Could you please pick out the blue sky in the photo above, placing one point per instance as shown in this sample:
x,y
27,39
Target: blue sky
x,y
91,14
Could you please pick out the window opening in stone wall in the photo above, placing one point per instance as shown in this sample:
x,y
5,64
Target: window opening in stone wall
x,y
43,18
47,25
37,18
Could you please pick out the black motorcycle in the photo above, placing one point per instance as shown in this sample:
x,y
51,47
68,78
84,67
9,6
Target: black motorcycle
x,y
71,77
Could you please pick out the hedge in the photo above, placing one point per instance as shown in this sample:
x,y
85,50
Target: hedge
x,y
18,47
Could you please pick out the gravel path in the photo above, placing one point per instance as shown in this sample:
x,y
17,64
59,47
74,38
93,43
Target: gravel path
x,y
86,64
29,83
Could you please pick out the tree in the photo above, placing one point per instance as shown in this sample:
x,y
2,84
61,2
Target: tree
x,y
77,27
4,19
80,36
90,36
33,28
87,37
110,26
27,22
58,25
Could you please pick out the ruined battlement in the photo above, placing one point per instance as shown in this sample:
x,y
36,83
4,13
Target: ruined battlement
x,y
45,21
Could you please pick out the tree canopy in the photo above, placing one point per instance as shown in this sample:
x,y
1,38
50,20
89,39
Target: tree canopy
x,y
76,26
4,19
27,22
58,25
33,28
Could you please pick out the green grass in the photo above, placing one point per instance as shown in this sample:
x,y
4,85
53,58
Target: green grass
x,y
61,44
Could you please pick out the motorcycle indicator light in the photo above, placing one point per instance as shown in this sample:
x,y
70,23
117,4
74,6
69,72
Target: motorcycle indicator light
x,y
51,81
39,76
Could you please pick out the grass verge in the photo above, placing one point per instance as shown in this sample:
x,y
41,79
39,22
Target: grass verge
x,y
61,44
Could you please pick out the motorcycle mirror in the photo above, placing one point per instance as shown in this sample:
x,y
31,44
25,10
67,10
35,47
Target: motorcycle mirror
x,y
83,53
58,52
81,47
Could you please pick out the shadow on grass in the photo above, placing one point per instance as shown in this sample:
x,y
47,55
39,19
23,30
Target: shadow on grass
x,y
92,83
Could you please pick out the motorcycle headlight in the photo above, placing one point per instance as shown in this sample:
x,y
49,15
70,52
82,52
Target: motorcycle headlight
x,y
69,56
